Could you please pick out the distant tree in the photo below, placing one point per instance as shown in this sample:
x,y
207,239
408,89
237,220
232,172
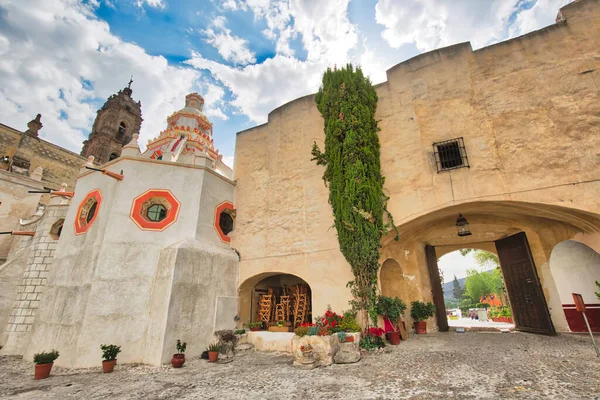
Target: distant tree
x,y
441,273
482,257
477,285
457,290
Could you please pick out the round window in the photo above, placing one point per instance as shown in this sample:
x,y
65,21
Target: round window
x,y
156,213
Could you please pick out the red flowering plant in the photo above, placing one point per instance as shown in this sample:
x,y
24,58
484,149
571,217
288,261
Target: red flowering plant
x,y
375,332
332,321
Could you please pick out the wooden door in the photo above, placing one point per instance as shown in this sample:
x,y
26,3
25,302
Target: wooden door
x,y
527,300
436,289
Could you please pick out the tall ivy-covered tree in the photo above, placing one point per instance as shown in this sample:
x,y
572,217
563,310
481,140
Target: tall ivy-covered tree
x,y
347,101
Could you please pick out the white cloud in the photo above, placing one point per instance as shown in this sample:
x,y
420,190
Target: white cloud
x,y
327,35
151,3
62,44
543,13
231,48
228,160
456,264
214,101
432,24
260,88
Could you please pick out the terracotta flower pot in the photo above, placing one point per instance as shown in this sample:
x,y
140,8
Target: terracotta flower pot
x,y
255,329
393,337
108,366
421,327
213,356
42,371
178,360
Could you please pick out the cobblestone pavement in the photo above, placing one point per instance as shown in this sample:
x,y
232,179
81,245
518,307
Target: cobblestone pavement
x,y
432,366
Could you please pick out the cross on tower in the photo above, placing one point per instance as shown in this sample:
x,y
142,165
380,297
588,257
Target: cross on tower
x,y
130,82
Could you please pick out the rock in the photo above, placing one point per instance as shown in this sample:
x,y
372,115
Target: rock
x,y
347,354
243,347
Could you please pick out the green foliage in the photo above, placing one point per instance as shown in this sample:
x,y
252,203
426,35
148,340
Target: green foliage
x,y
253,325
110,351
457,290
240,331
347,101
390,308
371,342
341,336
214,347
420,311
496,312
45,358
181,346
482,257
482,305
598,292
349,323
301,331
482,284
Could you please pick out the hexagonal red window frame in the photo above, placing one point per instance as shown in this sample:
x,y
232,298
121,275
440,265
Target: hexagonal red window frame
x,y
82,225
160,196
218,210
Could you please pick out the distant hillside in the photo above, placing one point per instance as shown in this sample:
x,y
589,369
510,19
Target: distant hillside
x,y
448,287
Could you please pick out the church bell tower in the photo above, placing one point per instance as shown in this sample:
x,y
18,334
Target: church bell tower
x,y
118,119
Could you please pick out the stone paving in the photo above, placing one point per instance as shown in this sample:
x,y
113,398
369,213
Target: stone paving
x,y
433,366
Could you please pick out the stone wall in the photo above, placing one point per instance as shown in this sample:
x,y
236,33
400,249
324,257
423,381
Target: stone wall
x,y
38,258
527,110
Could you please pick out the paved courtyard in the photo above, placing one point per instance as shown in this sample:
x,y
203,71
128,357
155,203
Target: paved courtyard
x,y
432,366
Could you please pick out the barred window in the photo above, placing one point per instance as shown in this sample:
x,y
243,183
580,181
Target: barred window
x,y
450,154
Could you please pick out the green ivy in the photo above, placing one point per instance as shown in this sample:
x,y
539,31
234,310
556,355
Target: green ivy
x,y
347,101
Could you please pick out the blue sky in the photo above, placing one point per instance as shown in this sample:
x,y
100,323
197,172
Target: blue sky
x,y
63,58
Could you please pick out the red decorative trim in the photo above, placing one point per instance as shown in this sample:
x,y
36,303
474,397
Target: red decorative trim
x,y
146,225
81,225
218,210
575,319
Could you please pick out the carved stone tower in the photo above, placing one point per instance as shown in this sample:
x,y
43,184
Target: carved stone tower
x,y
118,119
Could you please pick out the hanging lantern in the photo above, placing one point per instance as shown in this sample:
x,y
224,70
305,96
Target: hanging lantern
x,y
463,226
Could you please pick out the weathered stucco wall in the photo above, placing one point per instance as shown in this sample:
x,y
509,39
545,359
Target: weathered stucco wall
x,y
528,110
103,281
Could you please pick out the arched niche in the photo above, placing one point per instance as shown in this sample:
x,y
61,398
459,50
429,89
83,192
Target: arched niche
x,y
277,285
575,268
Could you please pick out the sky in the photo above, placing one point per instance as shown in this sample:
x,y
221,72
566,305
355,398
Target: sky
x,y
455,263
64,58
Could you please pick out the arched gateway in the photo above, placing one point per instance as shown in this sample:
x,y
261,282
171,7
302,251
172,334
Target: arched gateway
x,y
523,235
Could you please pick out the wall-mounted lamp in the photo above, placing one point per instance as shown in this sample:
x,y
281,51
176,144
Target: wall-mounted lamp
x,y
462,225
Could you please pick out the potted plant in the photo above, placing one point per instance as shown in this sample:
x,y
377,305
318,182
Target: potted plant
x,y
213,352
254,326
109,354
345,338
179,358
279,326
43,363
391,309
420,312
306,349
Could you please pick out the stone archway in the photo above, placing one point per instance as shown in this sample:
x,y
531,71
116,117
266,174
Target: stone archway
x,y
278,285
544,226
576,267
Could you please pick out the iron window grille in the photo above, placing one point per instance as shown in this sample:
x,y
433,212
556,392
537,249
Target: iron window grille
x,y
450,154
